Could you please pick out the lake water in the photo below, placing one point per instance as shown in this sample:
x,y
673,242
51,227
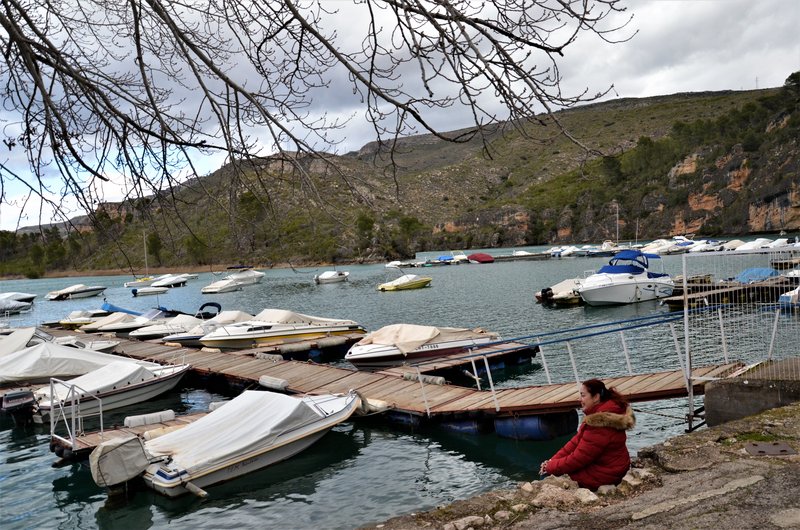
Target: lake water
x,y
365,470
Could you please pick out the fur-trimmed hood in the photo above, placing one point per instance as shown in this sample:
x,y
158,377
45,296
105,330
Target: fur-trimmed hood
x,y
620,422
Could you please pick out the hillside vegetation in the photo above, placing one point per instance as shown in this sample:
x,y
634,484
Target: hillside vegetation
x,y
705,163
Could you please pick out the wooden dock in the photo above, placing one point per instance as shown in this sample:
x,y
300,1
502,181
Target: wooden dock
x,y
404,396
705,295
410,396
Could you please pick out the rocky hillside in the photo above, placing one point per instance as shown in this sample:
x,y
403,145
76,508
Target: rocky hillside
x,y
714,163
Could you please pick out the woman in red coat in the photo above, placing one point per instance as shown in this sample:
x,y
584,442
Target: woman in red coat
x,y
597,454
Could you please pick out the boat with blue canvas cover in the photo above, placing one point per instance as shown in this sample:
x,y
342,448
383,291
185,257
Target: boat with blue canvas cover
x,y
626,279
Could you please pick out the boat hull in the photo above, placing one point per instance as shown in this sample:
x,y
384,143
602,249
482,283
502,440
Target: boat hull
x,y
244,465
413,284
614,291
172,483
76,294
125,396
379,357
243,341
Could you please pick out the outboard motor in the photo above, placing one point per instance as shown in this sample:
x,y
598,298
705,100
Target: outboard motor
x,y
19,404
547,294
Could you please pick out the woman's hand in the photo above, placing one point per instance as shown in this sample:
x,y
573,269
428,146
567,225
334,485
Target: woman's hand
x,y
543,468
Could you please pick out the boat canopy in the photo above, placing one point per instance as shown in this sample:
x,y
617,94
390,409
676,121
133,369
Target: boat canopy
x,y
46,360
223,318
249,423
282,316
628,262
409,337
16,341
112,376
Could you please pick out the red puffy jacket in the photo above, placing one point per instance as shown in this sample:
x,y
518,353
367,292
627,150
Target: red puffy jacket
x,y
597,454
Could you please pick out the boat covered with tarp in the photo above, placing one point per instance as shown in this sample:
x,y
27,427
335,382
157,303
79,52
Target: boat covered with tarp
x,y
252,431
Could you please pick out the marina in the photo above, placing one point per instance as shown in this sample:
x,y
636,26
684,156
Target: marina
x,y
535,372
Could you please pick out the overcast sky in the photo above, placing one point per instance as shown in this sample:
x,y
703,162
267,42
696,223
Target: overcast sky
x,y
681,46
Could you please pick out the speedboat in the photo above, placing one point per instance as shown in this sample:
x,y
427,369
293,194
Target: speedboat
x,y
234,281
331,277
756,244
75,291
221,286
406,281
156,317
272,325
246,276
178,324
12,307
39,362
78,318
480,257
22,338
146,281
171,281
625,280
563,293
398,344
607,248
252,431
790,299
148,291
112,386
124,326
192,336
18,297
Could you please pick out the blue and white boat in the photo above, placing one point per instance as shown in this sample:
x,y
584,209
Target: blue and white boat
x,y
626,279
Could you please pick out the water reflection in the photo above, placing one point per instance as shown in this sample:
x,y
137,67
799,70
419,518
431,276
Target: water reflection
x,y
293,481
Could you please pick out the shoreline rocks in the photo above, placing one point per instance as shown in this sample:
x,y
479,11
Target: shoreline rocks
x,y
713,477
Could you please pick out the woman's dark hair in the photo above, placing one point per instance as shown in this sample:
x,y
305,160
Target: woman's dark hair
x,y
595,387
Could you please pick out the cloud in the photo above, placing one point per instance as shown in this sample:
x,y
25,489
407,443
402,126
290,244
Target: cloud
x,y
681,46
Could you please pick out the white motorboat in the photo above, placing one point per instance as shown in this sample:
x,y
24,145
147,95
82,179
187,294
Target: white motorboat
x,y
657,246
250,432
246,276
563,293
405,282
112,386
130,323
331,277
398,344
756,244
39,362
178,324
75,291
19,297
26,337
78,318
192,336
790,299
145,281
626,279
12,307
149,291
234,281
171,281
277,325
733,244
221,286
